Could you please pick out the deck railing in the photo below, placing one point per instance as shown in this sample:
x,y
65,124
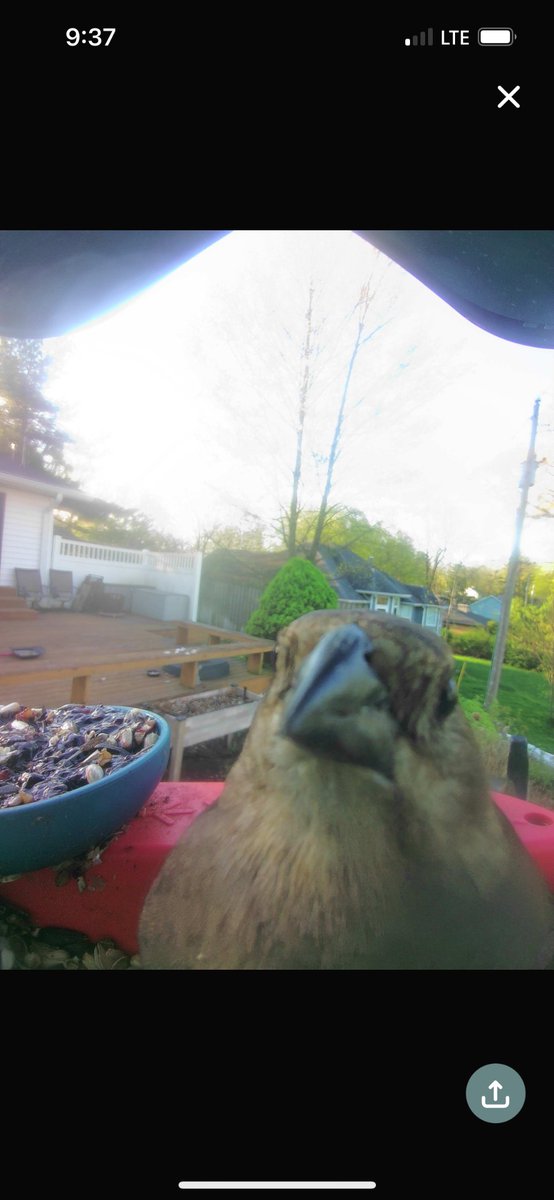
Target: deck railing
x,y
120,565
93,552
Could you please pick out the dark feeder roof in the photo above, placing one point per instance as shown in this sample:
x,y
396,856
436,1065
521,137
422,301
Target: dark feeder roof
x,y
55,280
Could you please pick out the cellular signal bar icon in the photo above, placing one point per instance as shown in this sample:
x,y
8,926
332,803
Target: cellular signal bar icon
x,y
424,39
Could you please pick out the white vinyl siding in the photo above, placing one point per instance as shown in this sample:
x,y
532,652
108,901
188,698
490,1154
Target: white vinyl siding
x,y
27,534
28,541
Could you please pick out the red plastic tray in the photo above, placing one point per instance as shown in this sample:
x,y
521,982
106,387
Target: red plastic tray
x,y
535,828
111,904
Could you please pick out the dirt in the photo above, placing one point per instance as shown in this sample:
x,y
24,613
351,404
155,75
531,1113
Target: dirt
x,y
184,706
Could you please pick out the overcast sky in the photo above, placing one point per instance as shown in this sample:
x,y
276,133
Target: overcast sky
x,y
183,403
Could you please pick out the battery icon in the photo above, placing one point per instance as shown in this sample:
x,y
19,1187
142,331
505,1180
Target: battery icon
x,y
496,37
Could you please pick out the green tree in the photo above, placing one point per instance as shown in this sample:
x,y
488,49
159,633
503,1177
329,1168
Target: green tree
x,y
488,581
542,584
455,578
28,431
525,573
393,553
343,526
398,556
545,647
297,588
129,528
231,537
531,638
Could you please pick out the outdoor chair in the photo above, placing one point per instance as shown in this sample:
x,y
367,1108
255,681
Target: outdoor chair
x,y
61,586
29,584
93,597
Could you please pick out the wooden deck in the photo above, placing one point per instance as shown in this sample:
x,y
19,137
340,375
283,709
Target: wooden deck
x,y
74,639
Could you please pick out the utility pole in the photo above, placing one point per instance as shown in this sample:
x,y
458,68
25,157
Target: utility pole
x,y
527,481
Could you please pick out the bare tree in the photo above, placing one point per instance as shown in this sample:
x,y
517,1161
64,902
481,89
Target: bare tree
x,y
363,303
205,538
432,565
290,519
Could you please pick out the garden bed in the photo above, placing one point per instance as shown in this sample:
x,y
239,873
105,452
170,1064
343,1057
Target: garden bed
x,y
207,727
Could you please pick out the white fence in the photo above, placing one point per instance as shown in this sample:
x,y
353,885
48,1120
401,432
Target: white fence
x,y
175,574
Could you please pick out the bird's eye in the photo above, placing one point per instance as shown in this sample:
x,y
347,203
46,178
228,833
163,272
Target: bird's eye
x,y
448,700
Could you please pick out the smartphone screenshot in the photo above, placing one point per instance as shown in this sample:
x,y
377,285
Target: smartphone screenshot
x,y
277,604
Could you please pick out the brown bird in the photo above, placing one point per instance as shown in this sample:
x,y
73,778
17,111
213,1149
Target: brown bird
x,y
356,830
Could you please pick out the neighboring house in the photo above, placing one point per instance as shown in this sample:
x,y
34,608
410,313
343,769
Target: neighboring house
x,y
488,608
233,582
358,584
158,585
461,619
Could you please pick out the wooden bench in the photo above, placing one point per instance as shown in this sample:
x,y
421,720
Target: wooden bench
x,y
82,670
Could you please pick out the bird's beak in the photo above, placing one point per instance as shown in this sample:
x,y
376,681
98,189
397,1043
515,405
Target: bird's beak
x,y
338,706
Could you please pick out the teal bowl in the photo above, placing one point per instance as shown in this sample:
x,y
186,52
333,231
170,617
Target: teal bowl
x,y
50,831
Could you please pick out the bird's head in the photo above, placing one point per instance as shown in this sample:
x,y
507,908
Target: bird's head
x,y
373,692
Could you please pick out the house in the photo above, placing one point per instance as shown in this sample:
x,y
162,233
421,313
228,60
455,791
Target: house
x,y
488,608
360,585
459,618
28,498
233,582
159,585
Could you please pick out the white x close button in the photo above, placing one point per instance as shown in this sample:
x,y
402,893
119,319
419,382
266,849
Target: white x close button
x,y
509,96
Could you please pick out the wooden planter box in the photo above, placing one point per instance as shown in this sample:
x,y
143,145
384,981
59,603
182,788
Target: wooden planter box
x,y
188,731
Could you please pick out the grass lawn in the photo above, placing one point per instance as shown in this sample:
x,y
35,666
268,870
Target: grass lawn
x,y
523,699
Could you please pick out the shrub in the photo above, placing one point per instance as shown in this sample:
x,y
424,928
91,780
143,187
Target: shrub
x,y
479,643
475,643
519,656
296,589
